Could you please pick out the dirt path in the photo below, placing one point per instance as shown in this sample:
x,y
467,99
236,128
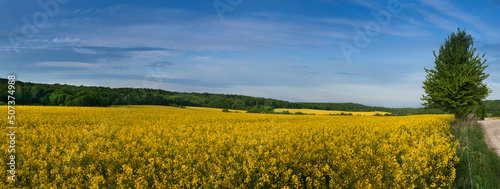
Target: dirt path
x,y
492,133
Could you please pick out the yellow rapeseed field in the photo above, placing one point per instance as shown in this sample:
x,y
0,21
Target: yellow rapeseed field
x,y
329,112
167,147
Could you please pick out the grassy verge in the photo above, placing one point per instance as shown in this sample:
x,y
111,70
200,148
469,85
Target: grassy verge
x,y
479,167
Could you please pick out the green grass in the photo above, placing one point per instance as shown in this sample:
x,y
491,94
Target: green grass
x,y
479,166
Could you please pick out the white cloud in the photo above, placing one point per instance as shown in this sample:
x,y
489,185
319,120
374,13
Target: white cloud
x,y
66,64
159,76
84,51
65,40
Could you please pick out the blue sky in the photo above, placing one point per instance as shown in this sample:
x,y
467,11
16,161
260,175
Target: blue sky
x,y
369,52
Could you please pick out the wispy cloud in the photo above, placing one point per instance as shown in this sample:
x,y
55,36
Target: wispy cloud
x,y
447,8
439,21
346,73
66,64
311,73
367,4
148,78
286,49
65,40
162,63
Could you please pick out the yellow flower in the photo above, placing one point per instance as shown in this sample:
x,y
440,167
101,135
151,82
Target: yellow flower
x,y
167,147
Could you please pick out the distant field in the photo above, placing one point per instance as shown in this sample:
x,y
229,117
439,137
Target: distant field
x,y
187,107
328,112
214,109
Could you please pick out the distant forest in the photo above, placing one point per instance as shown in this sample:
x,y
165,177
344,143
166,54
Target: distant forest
x,y
68,95
492,107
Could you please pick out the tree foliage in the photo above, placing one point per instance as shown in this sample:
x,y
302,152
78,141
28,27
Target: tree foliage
x,y
456,82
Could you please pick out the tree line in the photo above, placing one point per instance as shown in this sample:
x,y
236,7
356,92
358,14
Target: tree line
x,y
68,95
492,107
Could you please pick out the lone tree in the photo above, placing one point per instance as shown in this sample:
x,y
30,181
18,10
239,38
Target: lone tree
x,y
456,82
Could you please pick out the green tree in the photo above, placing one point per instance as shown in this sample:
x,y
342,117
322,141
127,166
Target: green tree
x,y
480,110
456,82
